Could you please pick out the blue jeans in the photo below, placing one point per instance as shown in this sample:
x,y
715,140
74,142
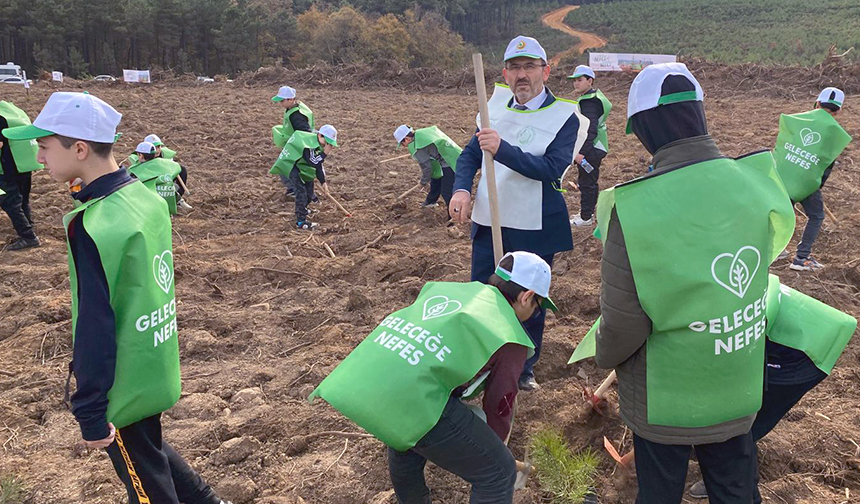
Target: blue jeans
x,y
813,207
483,265
460,443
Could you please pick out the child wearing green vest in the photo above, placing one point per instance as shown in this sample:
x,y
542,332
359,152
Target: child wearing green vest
x,y
125,350
437,154
407,381
301,161
161,151
594,105
806,150
297,117
17,162
684,293
156,173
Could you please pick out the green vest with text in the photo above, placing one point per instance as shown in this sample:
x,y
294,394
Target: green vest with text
x,y
700,239
448,149
158,175
23,151
602,140
397,381
282,132
806,145
133,236
291,156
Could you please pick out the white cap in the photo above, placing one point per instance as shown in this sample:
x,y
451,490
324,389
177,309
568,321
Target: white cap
x,y
645,93
329,133
582,70
530,272
526,47
401,132
81,116
285,93
145,148
153,139
832,95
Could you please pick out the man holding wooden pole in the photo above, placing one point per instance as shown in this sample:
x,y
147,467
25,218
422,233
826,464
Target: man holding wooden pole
x,y
532,137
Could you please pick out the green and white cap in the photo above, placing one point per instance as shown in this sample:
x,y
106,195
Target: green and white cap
x,y
81,116
401,132
530,272
582,71
832,95
329,133
154,140
526,47
284,93
145,148
646,90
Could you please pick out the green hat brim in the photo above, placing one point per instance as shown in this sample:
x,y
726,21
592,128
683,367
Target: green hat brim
x,y
28,132
548,304
117,137
158,144
524,55
277,99
576,76
330,141
629,125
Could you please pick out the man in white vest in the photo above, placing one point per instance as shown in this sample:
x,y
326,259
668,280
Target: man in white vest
x,y
533,137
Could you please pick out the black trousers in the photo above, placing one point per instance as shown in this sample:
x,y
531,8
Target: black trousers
x,y
16,202
588,188
152,471
728,469
441,187
304,192
460,443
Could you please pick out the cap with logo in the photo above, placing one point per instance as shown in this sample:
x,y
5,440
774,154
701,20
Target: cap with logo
x,y
530,272
582,71
646,90
832,95
145,148
81,116
329,133
401,132
526,47
154,140
284,93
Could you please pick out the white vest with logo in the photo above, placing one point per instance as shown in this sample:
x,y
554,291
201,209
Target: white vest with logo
x,y
520,197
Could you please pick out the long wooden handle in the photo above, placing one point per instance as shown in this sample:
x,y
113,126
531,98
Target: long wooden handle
x,y
336,202
489,167
394,158
182,184
408,191
604,387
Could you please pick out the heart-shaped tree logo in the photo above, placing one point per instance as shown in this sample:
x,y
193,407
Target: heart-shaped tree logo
x,y
439,306
735,272
809,137
162,268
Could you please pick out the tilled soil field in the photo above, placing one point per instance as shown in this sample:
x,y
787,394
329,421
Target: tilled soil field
x,y
265,311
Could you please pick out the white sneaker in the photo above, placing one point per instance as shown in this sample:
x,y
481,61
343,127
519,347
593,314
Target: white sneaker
x,y
577,221
183,205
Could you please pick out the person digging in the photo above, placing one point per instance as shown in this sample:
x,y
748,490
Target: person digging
x,y
124,335
437,155
594,105
685,338
156,173
301,161
408,381
806,150
297,117
533,138
17,162
161,151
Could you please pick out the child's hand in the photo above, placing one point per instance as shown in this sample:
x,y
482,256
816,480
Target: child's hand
x,y
102,443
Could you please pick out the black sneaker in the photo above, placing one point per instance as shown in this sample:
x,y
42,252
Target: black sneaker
x,y
24,243
315,199
698,490
307,225
528,383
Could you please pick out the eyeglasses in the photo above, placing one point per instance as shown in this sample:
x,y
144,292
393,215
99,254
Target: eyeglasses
x,y
528,67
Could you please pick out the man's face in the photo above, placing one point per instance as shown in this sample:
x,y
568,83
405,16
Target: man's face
x,y
526,77
62,163
582,83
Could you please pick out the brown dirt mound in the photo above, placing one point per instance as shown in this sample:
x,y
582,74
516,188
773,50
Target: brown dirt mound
x,y
265,312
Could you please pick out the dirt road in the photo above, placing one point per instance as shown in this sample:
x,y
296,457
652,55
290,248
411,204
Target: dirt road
x,y
555,19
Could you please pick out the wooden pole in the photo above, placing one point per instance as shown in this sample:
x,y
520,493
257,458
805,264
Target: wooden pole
x,y
830,214
182,184
408,191
394,158
604,387
342,209
489,167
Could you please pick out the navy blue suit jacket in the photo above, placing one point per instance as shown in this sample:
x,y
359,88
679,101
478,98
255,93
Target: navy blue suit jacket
x,y
554,235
